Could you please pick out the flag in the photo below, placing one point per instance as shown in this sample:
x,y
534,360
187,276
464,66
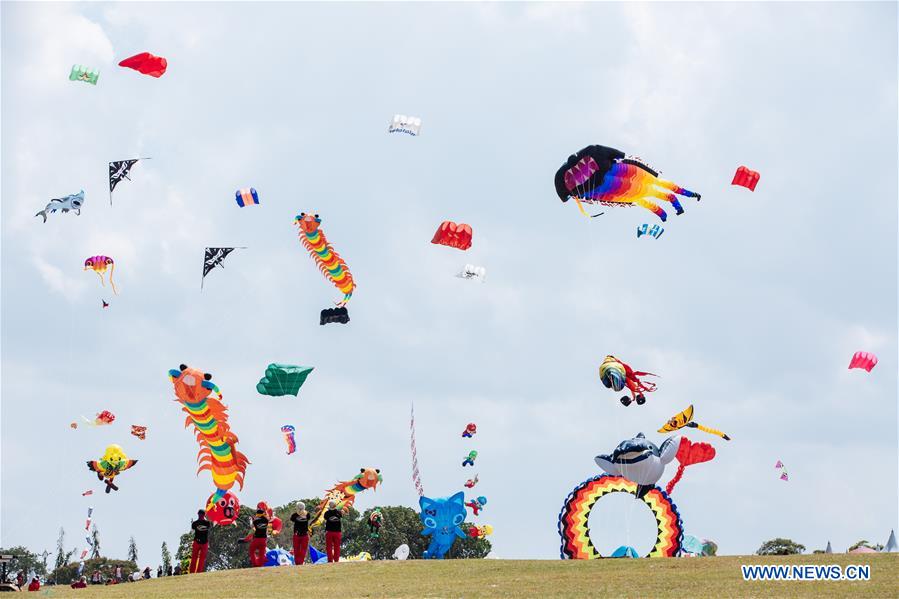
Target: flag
x,y
214,257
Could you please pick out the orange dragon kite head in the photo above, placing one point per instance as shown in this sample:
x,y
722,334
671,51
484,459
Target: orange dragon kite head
x,y
308,223
369,478
192,384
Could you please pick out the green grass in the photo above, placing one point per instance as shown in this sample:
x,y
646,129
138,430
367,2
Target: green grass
x,y
681,578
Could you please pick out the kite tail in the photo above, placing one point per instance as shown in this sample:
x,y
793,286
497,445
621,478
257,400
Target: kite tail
x,y
112,270
713,431
677,476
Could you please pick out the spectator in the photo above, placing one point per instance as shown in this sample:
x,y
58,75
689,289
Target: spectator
x,y
119,573
332,531
300,533
257,539
147,574
20,579
198,551
95,577
159,572
35,584
81,583
177,570
169,571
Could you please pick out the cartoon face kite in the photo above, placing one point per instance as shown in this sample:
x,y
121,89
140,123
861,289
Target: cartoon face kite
x,y
113,462
100,264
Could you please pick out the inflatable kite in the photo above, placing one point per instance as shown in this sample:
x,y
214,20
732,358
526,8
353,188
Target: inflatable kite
x,y
693,547
72,202
146,63
640,461
617,375
334,316
86,74
602,175
218,445
278,557
289,437
689,453
225,510
479,532
274,522
375,521
471,430
476,504
441,519
863,359
574,517
471,272
329,263
401,123
362,556
469,461
112,463
452,235
471,482
745,178
685,419
344,493
246,196
102,418
655,232
283,379
401,553
100,264
139,431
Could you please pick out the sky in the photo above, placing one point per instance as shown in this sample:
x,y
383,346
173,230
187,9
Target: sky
x,y
749,307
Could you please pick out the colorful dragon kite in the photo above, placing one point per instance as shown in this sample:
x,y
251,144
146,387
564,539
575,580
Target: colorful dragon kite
x,y
345,492
218,452
329,262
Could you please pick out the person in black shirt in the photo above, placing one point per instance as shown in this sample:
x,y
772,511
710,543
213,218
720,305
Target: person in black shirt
x,y
201,528
332,531
259,536
300,533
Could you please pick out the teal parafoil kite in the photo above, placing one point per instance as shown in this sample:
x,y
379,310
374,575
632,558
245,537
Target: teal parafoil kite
x,y
283,379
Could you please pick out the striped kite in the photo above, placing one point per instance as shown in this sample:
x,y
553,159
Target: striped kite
x,y
329,263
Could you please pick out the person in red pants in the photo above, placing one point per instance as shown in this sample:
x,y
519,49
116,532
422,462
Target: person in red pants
x,y
200,547
300,533
257,543
332,532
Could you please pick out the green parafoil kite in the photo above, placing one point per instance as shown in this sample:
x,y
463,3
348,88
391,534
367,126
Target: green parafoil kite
x,y
283,379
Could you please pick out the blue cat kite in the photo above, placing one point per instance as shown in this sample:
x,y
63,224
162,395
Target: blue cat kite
x,y
441,519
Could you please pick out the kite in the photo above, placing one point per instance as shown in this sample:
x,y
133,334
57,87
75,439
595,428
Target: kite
x,y
779,464
863,359
655,232
334,316
72,202
479,532
73,424
85,74
283,379
278,557
344,493
88,492
574,526
112,463
452,235
405,124
375,520
363,556
289,437
87,524
329,262
471,482
102,418
640,461
689,453
783,475
617,375
274,522
147,64
685,418
218,445
469,461
119,170
441,519
225,510
100,264
246,196
477,504
402,552
470,272
215,257
105,304
416,476
139,431
471,429
602,175
745,178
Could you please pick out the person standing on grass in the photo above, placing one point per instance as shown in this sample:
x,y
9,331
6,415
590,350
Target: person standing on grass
x,y
200,547
332,531
300,533
257,539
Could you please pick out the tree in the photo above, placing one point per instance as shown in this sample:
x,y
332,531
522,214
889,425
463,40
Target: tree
x,y
166,558
25,560
132,550
864,543
95,542
780,546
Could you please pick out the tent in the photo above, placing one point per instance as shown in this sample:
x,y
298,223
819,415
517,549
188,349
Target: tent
x,y
829,548
891,546
863,549
625,551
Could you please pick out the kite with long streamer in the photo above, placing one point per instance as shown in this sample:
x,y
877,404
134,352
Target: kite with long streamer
x,y
344,493
685,419
416,475
689,453
100,264
289,436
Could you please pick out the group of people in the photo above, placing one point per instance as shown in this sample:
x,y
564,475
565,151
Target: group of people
x,y
258,536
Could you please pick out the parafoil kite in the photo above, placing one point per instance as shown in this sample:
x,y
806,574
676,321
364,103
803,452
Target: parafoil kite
x,y
685,419
139,431
639,460
119,170
344,493
655,232
617,375
470,272
476,504
452,235
863,359
689,453
72,202
86,74
146,63
100,264
101,419
602,175
113,462
289,438
218,445
469,460
441,519
246,196
375,521
471,430
745,178
334,316
329,262
283,379
471,482
405,124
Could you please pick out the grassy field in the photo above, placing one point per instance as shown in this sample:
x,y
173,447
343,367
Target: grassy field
x,y
707,577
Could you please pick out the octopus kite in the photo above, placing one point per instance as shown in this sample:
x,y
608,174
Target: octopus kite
x,y
100,264
345,492
329,262
218,452
113,462
617,375
602,175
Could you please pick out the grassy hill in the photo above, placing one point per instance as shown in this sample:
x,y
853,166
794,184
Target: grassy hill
x,y
707,577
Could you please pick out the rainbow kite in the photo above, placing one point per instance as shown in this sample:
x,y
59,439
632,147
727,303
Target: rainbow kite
x,y
329,262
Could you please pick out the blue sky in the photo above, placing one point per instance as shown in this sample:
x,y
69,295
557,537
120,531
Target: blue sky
x,y
749,306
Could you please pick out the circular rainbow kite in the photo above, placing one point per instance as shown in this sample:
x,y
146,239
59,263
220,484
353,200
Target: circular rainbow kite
x,y
575,533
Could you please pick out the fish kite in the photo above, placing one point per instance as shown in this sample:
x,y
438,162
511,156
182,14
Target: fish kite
x,y
139,431
745,178
685,419
863,359
218,445
147,64
246,196
344,493
118,170
289,437
655,232
617,375
405,124
100,264
640,461
215,257
72,202
603,175
452,235
689,453
328,261
112,463
85,74
283,379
